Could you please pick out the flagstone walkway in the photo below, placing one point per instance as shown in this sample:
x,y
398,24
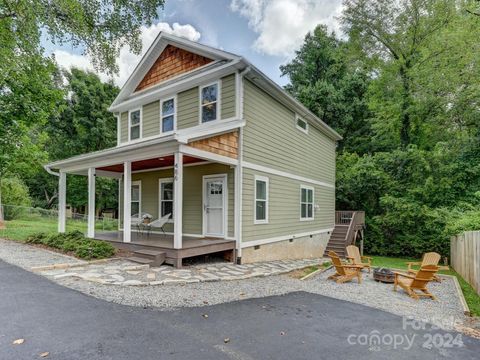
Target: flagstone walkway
x,y
126,273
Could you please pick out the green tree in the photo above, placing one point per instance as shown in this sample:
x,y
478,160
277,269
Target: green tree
x,y
323,79
83,125
393,35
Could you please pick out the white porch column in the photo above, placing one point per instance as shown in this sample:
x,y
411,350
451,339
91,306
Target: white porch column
x,y
62,201
178,200
91,203
127,198
237,210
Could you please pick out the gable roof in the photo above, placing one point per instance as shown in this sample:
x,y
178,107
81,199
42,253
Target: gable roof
x,y
153,54
221,63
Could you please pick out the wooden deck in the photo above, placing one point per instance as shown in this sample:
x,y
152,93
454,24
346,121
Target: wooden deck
x,y
190,246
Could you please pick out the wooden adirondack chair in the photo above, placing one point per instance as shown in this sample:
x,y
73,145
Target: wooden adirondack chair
x,y
430,258
353,254
412,284
344,272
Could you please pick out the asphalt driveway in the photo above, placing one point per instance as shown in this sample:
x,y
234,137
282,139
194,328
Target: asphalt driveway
x,y
70,325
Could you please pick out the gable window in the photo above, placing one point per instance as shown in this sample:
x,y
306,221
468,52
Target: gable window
x,y
136,202
209,103
166,197
306,202
302,125
167,115
135,124
261,200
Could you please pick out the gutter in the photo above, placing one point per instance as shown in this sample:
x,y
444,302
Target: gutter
x,y
50,171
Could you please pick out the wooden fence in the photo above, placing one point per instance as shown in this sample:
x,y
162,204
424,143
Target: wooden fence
x,y
465,257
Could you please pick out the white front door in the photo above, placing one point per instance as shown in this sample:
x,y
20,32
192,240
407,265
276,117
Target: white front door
x,y
214,205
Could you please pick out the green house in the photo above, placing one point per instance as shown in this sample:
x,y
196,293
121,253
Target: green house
x,y
219,156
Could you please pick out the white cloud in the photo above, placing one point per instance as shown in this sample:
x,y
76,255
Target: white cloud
x,y
281,25
127,61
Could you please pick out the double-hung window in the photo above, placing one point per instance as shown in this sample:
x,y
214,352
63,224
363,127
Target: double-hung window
x,y
166,197
261,200
306,202
209,109
167,115
135,124
136,199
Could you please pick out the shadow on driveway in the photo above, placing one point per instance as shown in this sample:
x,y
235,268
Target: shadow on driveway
x,y
71,325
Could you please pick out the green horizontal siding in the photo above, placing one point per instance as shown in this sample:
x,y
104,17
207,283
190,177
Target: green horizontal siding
x,y
271,139
228,97
124,127
187,109
284,208
192,194
151,119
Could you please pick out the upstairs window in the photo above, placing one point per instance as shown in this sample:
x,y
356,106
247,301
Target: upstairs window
x,y
209,103
306,203
167,115
261,200
135,124
302,125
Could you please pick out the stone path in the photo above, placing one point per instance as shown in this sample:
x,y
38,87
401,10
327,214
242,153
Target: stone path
x,y
126,273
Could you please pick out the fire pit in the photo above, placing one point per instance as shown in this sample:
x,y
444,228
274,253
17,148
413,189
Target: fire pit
x,y
383,275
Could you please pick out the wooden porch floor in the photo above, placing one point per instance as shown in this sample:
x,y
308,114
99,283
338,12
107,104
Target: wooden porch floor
x,y
190,246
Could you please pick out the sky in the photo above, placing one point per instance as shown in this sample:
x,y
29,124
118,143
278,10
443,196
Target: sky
x,y
266,32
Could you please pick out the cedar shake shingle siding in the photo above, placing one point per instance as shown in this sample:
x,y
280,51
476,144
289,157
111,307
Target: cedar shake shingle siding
x,y
172,61
225,144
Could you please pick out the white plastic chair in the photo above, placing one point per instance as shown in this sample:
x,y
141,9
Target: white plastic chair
x,y
159,223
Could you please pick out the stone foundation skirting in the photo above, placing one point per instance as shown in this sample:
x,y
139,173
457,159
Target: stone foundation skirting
x,y
306,247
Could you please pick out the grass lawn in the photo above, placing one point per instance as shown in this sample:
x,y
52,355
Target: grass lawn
x,y
472,298
20,229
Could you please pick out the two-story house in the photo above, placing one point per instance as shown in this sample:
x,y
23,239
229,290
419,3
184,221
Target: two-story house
x,y
208,141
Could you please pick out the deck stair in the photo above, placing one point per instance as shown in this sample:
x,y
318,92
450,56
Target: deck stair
x,y
150,257
349,227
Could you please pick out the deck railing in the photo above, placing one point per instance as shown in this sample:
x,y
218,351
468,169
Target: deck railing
x,y
355,221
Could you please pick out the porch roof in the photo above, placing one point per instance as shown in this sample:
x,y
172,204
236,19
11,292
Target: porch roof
x,y
149,150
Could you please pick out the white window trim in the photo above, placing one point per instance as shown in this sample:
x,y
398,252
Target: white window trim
x,y
299,127
119,125
130,123
139,183
266,180
219,97
313,202
174,98
160,182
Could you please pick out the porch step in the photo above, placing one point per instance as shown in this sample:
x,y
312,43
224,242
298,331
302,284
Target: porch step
x,y
140,260
156,258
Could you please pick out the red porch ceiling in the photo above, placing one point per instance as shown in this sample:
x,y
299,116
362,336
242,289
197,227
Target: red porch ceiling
x,y
151,163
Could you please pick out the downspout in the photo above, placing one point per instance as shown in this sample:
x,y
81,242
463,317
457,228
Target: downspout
x,y
50,171
240,161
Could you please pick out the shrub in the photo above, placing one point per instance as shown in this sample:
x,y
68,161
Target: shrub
x,y
92,249
15,193
74,241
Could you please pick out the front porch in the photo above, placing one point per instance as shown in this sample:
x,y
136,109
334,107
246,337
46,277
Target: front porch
x,y
191,246
188,189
